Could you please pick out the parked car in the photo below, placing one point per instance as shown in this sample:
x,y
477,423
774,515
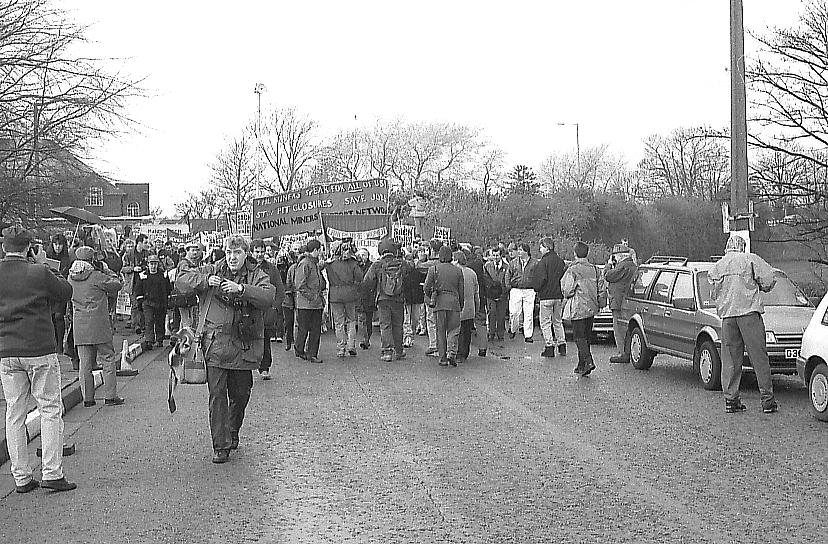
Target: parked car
x,y
670,310
811,363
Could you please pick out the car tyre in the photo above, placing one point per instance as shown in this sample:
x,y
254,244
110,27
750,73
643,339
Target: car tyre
x,y
818,392
641,357
708,366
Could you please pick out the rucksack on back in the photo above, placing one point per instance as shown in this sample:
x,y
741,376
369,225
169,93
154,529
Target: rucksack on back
x,y
391,279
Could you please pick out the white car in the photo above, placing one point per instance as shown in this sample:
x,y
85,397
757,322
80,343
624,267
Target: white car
x,y
811,364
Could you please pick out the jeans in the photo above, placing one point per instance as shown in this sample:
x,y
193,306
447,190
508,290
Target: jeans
x,y
411,321
522,301
309,331
366,323
497,316
345,324
746,332
448,326
88,357
229,395
40,378
551,323
391,325
431,325
267,354
581,332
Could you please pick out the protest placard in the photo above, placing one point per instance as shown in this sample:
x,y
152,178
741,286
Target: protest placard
x,y
404,234
443,234
123,305
298,211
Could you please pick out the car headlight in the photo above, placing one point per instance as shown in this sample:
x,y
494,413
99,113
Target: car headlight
x,y
770,338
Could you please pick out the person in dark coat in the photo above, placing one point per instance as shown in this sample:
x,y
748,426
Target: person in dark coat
x,y
309,287
289,303
414,296
152,290
58,250
475,263
619,273
445,290
497,293
367,304
546,279
259,250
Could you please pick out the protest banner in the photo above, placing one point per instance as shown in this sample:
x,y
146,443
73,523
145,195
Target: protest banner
x,y
443,234
365,230
298,211
404,234
154,232
177,238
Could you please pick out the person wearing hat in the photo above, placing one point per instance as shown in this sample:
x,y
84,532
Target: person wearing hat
x,y
194,252
29,366
737,279
387,277
151,291
93,329
619,273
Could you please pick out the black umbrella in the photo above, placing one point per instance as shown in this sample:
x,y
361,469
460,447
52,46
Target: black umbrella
x,y
77,215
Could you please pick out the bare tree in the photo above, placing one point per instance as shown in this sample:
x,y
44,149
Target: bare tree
x,y
689,163
203,205
489,170
600,171
53,102
234,173
287,139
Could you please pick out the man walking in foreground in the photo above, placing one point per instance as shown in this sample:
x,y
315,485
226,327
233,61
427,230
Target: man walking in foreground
x,y
28,360
387,278
583,287
737,280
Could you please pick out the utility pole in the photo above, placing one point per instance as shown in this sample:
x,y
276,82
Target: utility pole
x,y
258,89
740,208
577,145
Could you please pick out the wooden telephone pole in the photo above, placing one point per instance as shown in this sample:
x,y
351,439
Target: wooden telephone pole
x,y
740,209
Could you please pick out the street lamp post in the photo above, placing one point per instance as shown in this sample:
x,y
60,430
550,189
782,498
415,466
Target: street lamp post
x,y
577,144
258,89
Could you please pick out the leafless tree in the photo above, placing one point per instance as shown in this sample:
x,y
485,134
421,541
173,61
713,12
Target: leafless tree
x,y
202,205
287,140
54,101
600,171
234,172
489,164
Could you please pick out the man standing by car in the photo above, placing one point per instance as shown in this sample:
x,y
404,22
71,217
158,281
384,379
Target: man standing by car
x,y
737,280
547,282
619,273
29,366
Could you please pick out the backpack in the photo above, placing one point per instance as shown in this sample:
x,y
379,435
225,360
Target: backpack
x,y
391,279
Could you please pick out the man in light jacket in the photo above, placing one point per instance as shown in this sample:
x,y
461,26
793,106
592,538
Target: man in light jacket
x,y
229,291
309,293
619,273
583,287
736,281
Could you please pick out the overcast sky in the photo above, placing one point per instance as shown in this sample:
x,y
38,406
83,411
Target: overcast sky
x,y
621,69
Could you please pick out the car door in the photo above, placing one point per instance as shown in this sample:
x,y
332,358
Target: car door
x,y
659,305
680,318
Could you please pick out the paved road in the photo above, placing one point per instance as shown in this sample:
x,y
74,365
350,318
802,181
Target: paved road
x,y
498,450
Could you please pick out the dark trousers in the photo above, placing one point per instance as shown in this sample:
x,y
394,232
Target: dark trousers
x,y
175,319
308,331
581,333
154,321
391,314
464,342
746,332
229,395
366,321
59,323
447,321
288,323
267,354
497,315
279,330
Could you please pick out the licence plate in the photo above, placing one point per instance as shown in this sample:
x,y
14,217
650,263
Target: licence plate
x,y
791,353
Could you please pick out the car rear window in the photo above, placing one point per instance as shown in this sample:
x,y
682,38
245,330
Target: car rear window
x,y
683,296
642,281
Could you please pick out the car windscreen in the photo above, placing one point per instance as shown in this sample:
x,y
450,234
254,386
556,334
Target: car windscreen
x,y
784,293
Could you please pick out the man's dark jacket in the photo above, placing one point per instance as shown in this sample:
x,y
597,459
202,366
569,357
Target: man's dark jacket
x,y
546,278
153,290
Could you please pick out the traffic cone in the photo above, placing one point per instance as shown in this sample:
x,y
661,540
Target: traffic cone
x,y
126,368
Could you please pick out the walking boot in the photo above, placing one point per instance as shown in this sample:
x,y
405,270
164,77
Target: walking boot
x,y
221,456
734,406
58,485
548,351
234,440
562,350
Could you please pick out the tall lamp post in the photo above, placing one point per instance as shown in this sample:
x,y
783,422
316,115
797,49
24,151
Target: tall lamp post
x,y
258,90
577,144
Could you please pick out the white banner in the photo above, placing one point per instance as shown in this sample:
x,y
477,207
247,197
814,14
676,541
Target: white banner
x,y
123,306
404,234
443,234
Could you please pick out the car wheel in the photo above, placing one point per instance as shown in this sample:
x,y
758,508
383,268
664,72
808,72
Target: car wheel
x,y
708,366
641,357
818,391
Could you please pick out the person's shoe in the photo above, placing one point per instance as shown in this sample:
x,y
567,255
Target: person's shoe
x,y
58,485
500,337
265,374
619,359
408,343
588,369
386,357
288,345
279,339
31,486
548,351
341,353
221,456
75,364
459,360
159,344
400,355
734,406
300,354
421,332
578,370
117,401
444,362
364,345
432,352
512,335
770,408
352,352
562,349
316,360
452,361
234,441
528,340
481,353
88,403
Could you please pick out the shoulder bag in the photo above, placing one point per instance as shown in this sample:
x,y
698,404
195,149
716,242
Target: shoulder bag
x,y
194,366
